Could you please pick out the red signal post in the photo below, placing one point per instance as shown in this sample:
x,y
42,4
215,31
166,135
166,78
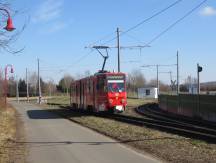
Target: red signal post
x,y
5,82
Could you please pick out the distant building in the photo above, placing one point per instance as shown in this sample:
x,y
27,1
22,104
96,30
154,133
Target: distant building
x,y
147,92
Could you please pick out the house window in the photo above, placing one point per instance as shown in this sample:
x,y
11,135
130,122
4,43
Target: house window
x,y
147,92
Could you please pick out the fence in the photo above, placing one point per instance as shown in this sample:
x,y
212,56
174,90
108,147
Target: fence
x,y
196,106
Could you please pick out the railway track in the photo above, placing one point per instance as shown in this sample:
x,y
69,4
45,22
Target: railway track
x,y
182,125
156,120
153,110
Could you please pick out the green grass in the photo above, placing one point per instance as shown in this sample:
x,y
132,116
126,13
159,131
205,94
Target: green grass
x,y
137,102
59,100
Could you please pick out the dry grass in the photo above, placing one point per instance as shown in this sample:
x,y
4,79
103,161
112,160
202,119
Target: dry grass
x,y
9,151
7,133
168,147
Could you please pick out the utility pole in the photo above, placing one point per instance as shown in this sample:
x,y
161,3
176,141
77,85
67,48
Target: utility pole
x,y
177,89
157,67
198,80
39,85
17,89
170,73
199,69
118,48
27,87
158,86
170,76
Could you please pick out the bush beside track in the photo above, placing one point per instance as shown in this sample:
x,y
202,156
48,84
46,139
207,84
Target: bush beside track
x,y
169,147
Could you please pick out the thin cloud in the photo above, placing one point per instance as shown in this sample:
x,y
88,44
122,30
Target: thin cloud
x,y
208,11
57,27
48,10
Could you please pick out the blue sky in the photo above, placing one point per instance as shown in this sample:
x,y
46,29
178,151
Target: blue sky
x,y
58,31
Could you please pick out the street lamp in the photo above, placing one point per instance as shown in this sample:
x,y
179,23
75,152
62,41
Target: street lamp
x,y
9,26
5,82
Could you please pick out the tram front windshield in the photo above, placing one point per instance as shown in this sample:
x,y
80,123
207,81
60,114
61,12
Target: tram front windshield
x,y
116,86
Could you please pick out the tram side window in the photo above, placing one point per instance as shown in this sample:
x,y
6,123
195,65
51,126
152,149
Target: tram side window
x,y
77,89
72,89
100,84
91,86
86,86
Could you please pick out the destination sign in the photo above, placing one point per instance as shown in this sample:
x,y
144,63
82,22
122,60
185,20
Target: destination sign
x,y
115,77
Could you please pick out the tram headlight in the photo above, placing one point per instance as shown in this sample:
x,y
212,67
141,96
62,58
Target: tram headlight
x,y
123,100
110,101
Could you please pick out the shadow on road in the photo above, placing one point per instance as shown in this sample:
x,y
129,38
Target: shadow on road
x,y
51,114
41,114
53,143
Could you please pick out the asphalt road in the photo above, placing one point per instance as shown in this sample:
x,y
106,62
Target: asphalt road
x,y
52,139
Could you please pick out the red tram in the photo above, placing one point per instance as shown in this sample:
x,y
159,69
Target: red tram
x,y
105,91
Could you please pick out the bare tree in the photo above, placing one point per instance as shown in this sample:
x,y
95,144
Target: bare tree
x,y
33,79
67,81
51,86
135,80
64,83
189,84
190,80
78,76
87,73
7,38
153,82
163,87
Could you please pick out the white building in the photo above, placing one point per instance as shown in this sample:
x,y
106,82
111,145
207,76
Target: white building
x,y
147,92
192,89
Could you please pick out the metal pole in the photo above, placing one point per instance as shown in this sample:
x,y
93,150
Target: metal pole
x,y
170,76
27,87
118,47
158,86
39,86
6,83
5,87
50,91
198,90
177,89
171,81
17,90
198,80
